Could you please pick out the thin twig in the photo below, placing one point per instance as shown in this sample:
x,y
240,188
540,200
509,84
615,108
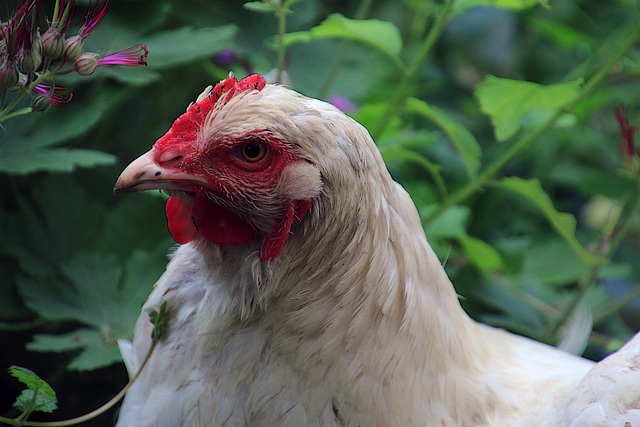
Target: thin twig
x,y
92,414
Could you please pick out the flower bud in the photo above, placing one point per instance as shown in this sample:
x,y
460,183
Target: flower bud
x,y
73,48
86,64
53,43
8,75
36,43
29,60
40,103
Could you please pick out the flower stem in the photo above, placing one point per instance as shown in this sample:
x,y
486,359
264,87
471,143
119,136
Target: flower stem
x,y
525,141
410,77
608,246
281,13
86,417
5,112
363,10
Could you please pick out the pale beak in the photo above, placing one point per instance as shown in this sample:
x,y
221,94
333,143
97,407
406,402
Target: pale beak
x,y
145,174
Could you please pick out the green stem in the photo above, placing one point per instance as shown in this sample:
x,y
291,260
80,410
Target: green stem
x,y
363,10
523,143
281,13
609,245
86,417
617,305
412,74
4,113
20,112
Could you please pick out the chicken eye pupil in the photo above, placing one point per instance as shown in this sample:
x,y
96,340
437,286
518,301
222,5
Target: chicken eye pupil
x,y
253,151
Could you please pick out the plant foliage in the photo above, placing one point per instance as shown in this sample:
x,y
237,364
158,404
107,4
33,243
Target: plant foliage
x,y
510,122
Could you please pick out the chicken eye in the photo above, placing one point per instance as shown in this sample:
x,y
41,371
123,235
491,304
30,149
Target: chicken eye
x,y
253,152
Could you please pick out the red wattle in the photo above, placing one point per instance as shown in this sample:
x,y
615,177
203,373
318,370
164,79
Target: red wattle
x,y
273,244
218,224
179,220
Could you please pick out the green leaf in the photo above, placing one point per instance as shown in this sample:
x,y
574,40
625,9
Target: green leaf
x,y
370,114
392,153
98,291
564,35
450,225
552,262
258,6
185,44
42,402
483,255
53,159
461,5
97,349
45,397
507,101
381,35
24,147
459,136
159,319
563,223
32,381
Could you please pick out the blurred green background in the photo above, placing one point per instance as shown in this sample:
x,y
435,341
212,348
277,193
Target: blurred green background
x,y
77,262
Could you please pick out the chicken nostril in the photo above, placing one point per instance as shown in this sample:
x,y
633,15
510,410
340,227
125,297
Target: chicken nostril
x,y
158,173
170,156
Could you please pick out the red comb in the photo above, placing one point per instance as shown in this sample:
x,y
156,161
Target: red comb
x,y
185,128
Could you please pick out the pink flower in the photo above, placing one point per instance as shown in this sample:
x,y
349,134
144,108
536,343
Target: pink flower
x,y
56,99
87,63
627,144
343,103
136,55
93,18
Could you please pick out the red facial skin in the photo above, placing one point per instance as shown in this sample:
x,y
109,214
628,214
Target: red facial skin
x,y
230,174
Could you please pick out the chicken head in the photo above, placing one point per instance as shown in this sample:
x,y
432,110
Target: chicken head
x,y
230,180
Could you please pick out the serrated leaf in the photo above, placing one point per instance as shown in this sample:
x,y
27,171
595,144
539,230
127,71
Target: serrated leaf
x,y
24,145
462,5
56,126
159,318
44,233
185,44
32,381
483,255
460,137
507,101
38,389
98,292
43,403
258,6
563,223
97,349
381,35
52,159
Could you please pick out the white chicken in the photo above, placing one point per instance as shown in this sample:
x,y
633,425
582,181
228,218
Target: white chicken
x,y
304,292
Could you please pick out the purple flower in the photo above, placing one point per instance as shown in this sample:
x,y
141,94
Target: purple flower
x,y
56,99
343,103
226,57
